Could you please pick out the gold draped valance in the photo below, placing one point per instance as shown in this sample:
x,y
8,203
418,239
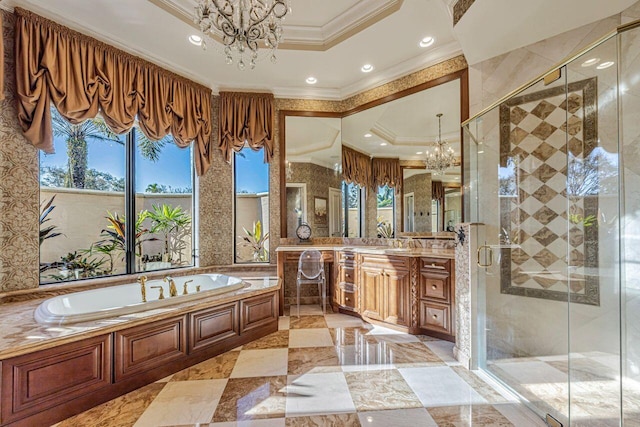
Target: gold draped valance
x,y
356,167
82,77
386,172
246,117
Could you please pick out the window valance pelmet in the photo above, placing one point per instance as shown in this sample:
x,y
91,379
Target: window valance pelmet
x,y
82,77
356,167
246,118
386,172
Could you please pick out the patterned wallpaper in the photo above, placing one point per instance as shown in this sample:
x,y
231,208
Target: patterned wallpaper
x,y
19,190
546,144
318,179
420,186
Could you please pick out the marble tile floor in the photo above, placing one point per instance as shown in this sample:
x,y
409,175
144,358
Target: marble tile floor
x,y
331,370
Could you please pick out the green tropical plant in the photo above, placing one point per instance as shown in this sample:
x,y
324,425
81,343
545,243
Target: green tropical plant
x,y
256,241
81,265
114,235
385,197
78,136
171,222
47,232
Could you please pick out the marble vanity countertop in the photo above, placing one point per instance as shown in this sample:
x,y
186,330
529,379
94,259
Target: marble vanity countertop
x,y
21,334
375,250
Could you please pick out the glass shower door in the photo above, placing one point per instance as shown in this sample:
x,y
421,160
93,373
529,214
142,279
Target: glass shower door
x,y
519,150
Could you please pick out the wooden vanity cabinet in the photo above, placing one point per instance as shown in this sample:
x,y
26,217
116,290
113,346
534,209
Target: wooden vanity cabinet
x,y
385,283
345,290
437,297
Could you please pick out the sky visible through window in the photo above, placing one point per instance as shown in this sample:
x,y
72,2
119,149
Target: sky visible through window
x,y
173,168
254,173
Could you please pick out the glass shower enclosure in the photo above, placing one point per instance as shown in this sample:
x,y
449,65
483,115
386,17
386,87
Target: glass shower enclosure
x,y
554,179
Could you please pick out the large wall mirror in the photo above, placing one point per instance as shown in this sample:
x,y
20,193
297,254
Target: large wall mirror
x,y
404,126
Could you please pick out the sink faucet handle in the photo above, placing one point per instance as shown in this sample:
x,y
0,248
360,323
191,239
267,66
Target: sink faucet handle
x,y
142,279
184,289
167,278
161,296
143,291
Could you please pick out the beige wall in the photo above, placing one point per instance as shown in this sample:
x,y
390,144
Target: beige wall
x,y
420,186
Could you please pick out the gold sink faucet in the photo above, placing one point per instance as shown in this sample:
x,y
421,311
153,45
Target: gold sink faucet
x,y
161,296
143,290
184,289
173,291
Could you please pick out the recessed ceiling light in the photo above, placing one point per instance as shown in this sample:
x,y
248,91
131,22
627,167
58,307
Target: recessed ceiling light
x,y
383,143
418,152
590,62
311,80
367,135
426,42
604,65
367,68
195,39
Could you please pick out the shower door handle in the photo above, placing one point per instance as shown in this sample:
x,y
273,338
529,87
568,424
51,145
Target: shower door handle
x,y
488,258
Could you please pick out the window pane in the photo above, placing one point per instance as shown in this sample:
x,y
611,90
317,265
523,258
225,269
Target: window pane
x,y
164,204
353,219
384,213
251,184
82,202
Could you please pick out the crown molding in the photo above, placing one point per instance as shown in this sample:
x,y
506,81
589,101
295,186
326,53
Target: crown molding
x,y
305,37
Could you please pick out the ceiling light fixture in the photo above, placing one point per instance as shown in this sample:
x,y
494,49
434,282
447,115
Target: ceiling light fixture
x,y
242,25
311,80
383,143
367,68
590,62
418,152
367,135
604,65
195,39
426,42
442,156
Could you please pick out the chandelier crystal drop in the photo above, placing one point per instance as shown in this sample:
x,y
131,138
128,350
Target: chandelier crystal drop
x,y
289,170
244,26
442,157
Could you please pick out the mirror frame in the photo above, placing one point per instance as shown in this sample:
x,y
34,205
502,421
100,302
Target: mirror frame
x,y
461,75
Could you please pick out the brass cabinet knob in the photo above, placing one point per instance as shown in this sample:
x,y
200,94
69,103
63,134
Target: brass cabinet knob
x,y
434,287
347,299
435,316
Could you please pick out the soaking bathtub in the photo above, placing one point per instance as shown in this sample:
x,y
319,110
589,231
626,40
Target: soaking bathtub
x,y
125,299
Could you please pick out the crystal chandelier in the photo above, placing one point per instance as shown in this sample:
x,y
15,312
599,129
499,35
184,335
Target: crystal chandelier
x,y
289,170
244,24
442,156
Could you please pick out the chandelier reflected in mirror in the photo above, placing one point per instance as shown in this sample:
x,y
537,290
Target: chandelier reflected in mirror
x,y
244,26
442,157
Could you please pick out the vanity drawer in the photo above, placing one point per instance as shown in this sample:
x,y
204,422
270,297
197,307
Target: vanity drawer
x,y
348,299
347,274
438,264
346,257
386,261
435,317
435,286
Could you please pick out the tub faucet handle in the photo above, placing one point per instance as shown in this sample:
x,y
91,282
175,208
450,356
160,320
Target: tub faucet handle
x,y
161,296
143,291
184,289
173,291
197,288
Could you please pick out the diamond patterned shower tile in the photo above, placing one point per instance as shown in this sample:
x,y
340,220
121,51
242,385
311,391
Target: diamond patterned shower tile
x,y
558,183
518,256
573,126
545,236
544,151
576,146
545,172
543,109
518,135
545,215
576,258
517,114
545,257
558,226
528,144
531,246
530,164
543,130
518,216
530,184
529,123
572,104
531,226
544,194
559,160
546,280
557,118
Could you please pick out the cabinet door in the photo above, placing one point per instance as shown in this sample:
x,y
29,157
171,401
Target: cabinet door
x,y
44,379
210,326
257,312
371,286
397,286
146,347
436,317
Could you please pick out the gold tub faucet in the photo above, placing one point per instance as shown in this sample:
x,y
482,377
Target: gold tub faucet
x,y
184,289
143,290
173,291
